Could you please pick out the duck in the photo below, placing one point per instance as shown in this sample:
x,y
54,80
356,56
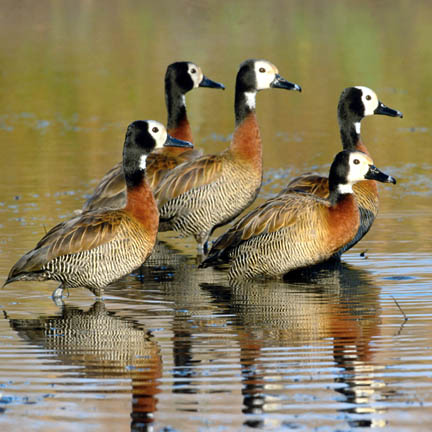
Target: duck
x,y
180,78
98,247
295,230
354,104
198,196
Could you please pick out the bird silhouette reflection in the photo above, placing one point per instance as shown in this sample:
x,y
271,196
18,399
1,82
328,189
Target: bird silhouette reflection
x,y
105,346
333,302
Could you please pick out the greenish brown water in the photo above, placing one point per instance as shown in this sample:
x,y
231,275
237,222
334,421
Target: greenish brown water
x,y
174,348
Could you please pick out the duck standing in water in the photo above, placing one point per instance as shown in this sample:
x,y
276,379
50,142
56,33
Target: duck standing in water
x,y
98,247
295,229
198,196
180,78
355,103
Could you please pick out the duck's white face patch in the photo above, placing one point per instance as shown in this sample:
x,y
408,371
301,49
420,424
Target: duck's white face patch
x,y
195,73
143,162
369,99
358,167
250,99
265,73
158,132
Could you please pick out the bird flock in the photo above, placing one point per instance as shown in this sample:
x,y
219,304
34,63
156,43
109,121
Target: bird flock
x,y
163,183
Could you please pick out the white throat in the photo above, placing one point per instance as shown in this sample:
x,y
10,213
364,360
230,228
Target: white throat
x,y
357,127
143,162
345,188
250,99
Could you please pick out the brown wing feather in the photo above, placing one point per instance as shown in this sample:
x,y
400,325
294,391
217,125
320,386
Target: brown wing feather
x,y
283,211
189,175
309,183
83,232
271,216
158,164
88,232
111,191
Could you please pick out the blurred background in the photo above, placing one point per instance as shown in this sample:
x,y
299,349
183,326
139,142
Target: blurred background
x,y
75,74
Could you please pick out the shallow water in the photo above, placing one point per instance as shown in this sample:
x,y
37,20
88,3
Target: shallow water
x,y
174,348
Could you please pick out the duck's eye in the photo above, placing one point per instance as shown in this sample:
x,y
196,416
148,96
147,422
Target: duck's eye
x,y
193,70
155,129
368,97
262,70
356,161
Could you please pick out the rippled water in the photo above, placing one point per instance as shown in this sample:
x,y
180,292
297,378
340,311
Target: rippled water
x,y
173,348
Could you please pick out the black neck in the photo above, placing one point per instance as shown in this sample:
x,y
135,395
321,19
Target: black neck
x,y
349,136
348,133
335,196
174,100
134,174
241,107
134,179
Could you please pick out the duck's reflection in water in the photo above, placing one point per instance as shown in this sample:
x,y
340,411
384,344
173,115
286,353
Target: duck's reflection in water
x,y
336,303
172,279
192,311
105,346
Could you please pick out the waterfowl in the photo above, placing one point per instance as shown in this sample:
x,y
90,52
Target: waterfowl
x,y
355,103
196,197
98,247
180,78
296,229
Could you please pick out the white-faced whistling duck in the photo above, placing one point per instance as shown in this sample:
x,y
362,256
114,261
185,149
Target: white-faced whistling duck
x,y
198,196
180,78
100,246
355,103
295,229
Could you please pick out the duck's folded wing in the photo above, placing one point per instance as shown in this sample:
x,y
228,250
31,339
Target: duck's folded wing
x,y
288,210
312,183
187,176
111,191
81,233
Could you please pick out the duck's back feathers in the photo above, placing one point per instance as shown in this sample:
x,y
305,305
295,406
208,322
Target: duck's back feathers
x,y
187,176
78,234
290,213
88,232
160,163
309,183
111,191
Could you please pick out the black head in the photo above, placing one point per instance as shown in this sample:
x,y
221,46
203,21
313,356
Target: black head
x,y
255,75
355,103
142,137
350,167
339,169
185,76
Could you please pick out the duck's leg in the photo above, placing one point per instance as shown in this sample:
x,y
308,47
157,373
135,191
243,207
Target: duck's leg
x,y
202,240
58,292
57,295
